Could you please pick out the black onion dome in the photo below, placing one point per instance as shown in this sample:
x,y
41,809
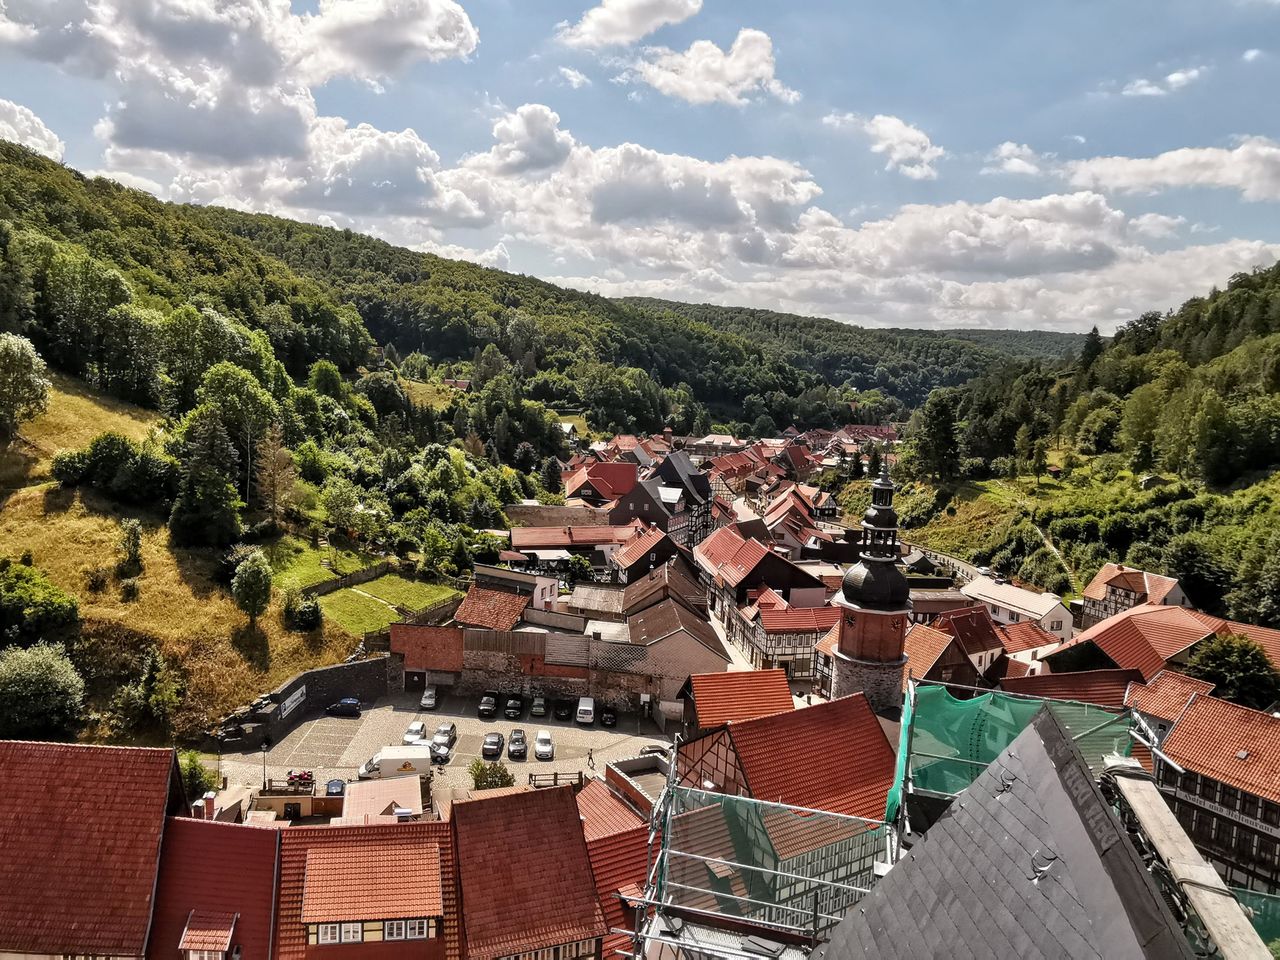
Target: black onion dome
x,y
876,586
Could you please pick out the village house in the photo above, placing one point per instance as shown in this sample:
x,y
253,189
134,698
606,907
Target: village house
x,y
550,548
647,550
1011,604
1116,588
714,699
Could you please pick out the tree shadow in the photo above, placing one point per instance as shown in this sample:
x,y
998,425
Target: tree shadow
x,y
252,644
199,568
16,464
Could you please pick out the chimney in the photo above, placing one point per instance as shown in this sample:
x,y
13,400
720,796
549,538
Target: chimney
x,y
197,810
209,808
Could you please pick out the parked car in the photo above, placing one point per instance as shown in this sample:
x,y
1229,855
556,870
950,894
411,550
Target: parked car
x,y
489,704
446,733
586,714
441,752
492,746
543,748
984,571
608,718
346,707
655,750
416,733
517,745
335,788
429,700
514,708
539,706
564,709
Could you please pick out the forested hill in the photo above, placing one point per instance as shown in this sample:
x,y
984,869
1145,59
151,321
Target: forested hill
x,y
896,360
319,293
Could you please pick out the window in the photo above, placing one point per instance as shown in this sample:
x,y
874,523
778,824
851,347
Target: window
x,y
352,932
1014,617
393,930
330,933
1055,625
205,955
646,508
1249,806
417,929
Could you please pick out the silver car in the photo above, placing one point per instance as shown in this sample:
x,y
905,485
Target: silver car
x,y
428,701
416,733
543,748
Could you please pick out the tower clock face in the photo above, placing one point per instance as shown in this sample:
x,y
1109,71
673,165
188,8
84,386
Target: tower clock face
x,y
896,623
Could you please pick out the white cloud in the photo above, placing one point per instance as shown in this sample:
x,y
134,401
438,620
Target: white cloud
x,y
528,139
1170,83
1158,226
1252,167
574,78
620,22
1014,158
908,149
1075,137
19,124
706,74
1251,55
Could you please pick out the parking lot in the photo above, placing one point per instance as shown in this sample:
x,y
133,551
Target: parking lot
x,y
334,747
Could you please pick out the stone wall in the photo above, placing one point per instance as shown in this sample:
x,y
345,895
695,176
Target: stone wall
x,y
881,682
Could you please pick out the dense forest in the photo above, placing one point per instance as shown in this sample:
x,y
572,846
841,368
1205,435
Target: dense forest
x,y
1191,398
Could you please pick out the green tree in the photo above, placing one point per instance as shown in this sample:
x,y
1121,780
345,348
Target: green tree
x,y
1039,458
147,703
1256,595
325,379
251,585
1138,424
341,501
79,292
1211,439
42,693
1091,350
31,606
197,780
1238,668
487,776
938,447
130,547
24,389
551,475
246,409
579,568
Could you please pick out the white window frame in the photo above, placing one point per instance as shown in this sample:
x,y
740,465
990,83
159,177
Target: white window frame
x,y
393,930
206,954
353,932
417,929
329,933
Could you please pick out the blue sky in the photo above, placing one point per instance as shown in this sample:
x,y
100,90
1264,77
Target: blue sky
x,y
925,164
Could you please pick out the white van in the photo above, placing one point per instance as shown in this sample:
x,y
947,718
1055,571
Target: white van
x,y
586,711
399,761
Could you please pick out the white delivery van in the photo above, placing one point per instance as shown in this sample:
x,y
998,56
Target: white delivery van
x,y
586,711
397,761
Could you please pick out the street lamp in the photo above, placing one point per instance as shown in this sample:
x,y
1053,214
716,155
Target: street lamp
x,y
265,749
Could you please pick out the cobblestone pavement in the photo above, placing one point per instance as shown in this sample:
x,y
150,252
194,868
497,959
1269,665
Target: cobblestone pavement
x,y
334,747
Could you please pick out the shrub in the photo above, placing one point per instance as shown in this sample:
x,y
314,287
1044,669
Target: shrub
x,y
96,578
31,606
42,693
486,776
130,564
129,591
301,612
197,780
26,558
251,585
70,466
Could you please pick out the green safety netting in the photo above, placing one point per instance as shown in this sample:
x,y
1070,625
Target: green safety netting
x,y
947,741
1263,910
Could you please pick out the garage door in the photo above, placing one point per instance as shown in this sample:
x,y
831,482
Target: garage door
x,y
414,679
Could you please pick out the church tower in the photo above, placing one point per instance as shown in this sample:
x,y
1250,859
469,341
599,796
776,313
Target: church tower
x,y
876,602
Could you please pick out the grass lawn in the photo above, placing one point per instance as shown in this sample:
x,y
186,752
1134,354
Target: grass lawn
x,y
410,594
434,395
356,614
298,564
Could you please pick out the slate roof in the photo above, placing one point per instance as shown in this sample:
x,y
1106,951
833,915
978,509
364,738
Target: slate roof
x,y
1028,863
1150,587
428,648
1165,695
211,870
603,813
80,828
831,756
525,873
491,609
654,624
1210,737
391,848
1106,688
739,695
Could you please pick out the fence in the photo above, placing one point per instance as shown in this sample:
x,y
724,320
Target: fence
x,y
432,615
350,580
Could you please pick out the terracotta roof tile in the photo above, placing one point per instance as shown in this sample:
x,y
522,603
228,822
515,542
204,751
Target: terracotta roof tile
x,y
1104,687
80,827
395,844
211,870
492,609
1265,637
1166,694
1211,736
1146,636
603,813
619,862
831,756
973,627
739,695
370,882
1026,635
207,930
1150,587
634,550
609,479
830,643
799,619
428,648
924,647
525,874
728,555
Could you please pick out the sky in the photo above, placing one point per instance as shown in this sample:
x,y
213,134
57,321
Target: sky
x,y
926,163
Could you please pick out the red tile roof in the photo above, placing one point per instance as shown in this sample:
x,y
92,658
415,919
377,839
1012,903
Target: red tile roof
x,y
518,897
428,648
1146,636
1166,694
492,609
80,830
973,627
726,554
1026,635
1104,687
207,930
609,480
800,619
739,695
1150,587
394,843
832,756
792,833
545,538
619,862
634,550
210,869
1235,745
704,832
924,647
361,882
603,813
